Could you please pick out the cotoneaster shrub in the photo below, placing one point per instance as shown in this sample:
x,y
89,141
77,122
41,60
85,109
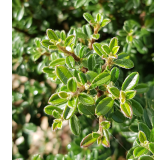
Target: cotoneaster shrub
x,y
88,74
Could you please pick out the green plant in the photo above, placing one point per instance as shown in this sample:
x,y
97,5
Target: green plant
x,y
89,82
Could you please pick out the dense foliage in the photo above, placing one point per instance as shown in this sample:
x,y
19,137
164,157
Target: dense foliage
x,y
98,76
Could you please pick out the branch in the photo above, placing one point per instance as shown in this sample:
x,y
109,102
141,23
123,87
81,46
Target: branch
x,y
63,49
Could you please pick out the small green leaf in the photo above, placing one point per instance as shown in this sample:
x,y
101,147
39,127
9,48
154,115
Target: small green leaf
x,y
63,94
102,78
138,151
106,49
126,110
89,18
56,114
63,74
91,62
123,55
49,109
52,47
72,84
122,97
137,108
104,22
115,50
141,88
147,117
113,43
96,36
82,78
142,136
48,70
105,124
57,124
99,18
124,63
118,117
87,141
134,128
69,40
86,110
151,147
114,91
52,35
131,81
46,43
63,35
104,106
70,62
91,75
146,157
74,125
129,39
114,74
20,14
96,134
56,100
122,33
56,62
72,103
98,49
86,99
87,30
68,112
105,142
130,94
151,139
144,128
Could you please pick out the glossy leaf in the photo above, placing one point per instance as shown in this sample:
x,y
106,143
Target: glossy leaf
x,y
52,35
70,62
143,127
114,74
87,141
113,43
139,151
56,100
146,157
131,81
63,74
124,63
56,114
105,142
105,124
63,94
46,43
86,110
63,35
96,134
86,99
68,112
72,84
89,18
49,109
114,91
91,75
137,108
118,117
105,22
126,109
141,88
59,61
104,106
102,78
91,62
106,49
115,50
74,125
96,36
69,40
151,147
142,137
98,49
82,78
130,94
151,139
48,70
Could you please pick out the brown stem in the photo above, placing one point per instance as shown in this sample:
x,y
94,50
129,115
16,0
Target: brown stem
x,y
63,49
90,43
100,127
46,53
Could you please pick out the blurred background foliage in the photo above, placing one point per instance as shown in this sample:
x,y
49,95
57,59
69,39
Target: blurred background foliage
x,y
31,128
